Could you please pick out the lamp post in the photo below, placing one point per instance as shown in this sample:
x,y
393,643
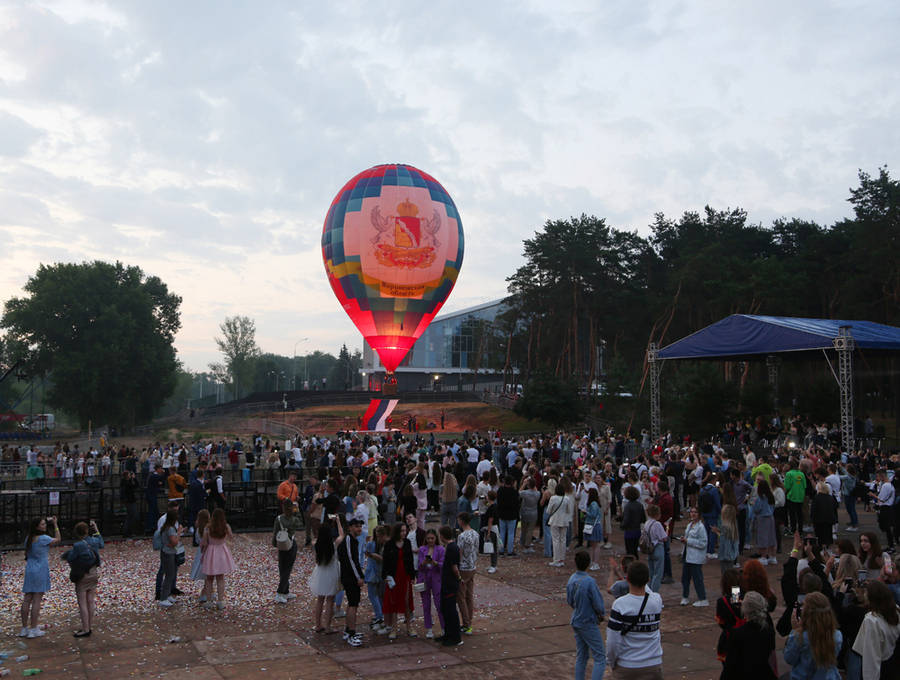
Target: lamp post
x,y
276,378
294,363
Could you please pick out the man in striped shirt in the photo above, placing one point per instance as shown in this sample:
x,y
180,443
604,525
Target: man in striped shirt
x,y
633,645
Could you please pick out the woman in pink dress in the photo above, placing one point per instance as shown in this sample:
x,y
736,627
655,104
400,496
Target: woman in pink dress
x,y
217,559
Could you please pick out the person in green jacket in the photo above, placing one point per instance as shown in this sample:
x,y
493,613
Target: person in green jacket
x,y
794,492
763,468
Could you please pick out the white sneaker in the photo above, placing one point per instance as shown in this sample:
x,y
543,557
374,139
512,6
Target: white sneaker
x,y
773,560
167,603
607,545
35,632
853,529
429,634
492,570
712,556
24,632
594,566
685,602
747,546
385,630
289,596
340,614
171,599
701,603
280,599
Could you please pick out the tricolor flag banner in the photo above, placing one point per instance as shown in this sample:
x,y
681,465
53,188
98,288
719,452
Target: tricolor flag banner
x,y
377,413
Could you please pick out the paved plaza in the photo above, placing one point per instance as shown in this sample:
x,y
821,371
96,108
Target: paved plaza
x,y
521,627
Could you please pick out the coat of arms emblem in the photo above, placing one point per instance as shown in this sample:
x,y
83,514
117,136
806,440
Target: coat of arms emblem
x,y
413,238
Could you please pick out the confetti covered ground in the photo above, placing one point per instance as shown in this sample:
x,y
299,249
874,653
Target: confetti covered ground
x,y
521,624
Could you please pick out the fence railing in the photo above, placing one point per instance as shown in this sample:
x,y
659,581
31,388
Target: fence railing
x,y
250,504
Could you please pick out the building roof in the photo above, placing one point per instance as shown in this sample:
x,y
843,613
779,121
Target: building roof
x,y
743,336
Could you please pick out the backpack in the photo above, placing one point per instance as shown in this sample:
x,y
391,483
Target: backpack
x,y
646,546
157,540
704,503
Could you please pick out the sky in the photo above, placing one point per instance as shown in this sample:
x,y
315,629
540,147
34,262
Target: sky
x,y
204,141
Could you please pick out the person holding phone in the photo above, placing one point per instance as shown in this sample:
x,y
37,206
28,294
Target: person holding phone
x,y
84,559
751,647
728,609
812,648
37,572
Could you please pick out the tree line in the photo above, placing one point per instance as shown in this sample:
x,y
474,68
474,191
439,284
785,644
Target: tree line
x,y
590,298
581,312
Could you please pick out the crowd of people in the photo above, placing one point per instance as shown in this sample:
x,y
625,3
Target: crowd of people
x,y
364,501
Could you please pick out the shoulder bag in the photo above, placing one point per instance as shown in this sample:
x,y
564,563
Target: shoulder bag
x,y
282,538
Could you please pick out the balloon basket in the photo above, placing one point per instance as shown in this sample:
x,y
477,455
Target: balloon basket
x,y
389,390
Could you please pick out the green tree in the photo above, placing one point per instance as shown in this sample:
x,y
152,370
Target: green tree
x,y
105,332
697,400
547,397
238,344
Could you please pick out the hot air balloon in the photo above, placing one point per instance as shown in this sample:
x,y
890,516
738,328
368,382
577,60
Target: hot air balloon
x,y
393,246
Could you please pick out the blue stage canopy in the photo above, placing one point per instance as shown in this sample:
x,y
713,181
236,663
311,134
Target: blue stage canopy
x,y
742,336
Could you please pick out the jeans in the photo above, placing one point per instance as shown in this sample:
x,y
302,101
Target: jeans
x,y
548,539
508,534
656,560
695,572
448,513
167,564
588,641
373,589
286,560
854,665
850,504
152,513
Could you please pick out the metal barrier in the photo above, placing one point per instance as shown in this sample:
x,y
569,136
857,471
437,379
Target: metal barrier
x,y
250,505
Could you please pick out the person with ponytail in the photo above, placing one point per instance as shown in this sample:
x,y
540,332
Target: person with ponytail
x,y
812,649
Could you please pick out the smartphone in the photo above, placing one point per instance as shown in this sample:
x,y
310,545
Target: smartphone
x,y
862,575
735,594
848,582
888,567
332,517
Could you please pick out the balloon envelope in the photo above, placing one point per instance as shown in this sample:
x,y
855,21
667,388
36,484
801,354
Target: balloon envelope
x,y
393,247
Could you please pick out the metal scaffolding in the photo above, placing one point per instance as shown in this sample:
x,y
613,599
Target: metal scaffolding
x,y
844,346
655,366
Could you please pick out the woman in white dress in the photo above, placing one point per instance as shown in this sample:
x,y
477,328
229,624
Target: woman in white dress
x,y
325,581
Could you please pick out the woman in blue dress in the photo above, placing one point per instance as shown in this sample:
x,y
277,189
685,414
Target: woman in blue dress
x,y
37,572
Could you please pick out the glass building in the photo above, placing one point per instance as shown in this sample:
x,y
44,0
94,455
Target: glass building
x,y
444,356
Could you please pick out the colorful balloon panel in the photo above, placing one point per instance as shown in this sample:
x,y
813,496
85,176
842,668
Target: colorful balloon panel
x,y
393,246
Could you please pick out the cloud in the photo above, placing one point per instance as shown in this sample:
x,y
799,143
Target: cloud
x,y
205,146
